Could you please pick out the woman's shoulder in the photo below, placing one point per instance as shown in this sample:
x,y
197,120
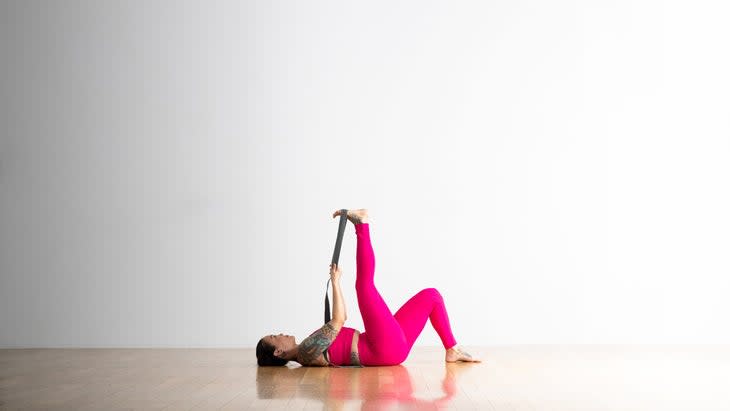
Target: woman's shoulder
x,y
311,348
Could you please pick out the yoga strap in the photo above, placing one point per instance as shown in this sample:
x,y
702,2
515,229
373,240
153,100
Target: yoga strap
x,y
335,260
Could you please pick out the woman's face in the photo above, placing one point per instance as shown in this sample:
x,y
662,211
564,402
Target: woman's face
x,y
281,342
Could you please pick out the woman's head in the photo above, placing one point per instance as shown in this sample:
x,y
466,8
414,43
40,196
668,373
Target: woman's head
x,y
274,349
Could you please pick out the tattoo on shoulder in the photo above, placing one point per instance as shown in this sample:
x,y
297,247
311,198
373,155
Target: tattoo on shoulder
x,y
312,347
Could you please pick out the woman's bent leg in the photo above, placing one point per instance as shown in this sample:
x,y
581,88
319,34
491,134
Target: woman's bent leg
x,y
426,304
383,342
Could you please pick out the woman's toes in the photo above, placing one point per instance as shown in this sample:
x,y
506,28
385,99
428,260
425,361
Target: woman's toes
x,y
358,216
355,216
458,355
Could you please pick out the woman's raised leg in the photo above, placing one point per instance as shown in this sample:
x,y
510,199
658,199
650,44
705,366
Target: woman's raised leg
x,y
385,340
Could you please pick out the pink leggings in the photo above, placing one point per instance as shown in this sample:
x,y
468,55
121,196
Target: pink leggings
x,y
388,338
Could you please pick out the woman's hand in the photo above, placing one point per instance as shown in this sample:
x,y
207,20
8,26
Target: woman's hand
x,y
335,272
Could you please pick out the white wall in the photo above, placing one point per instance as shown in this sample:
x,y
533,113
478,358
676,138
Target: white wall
x,y
559,170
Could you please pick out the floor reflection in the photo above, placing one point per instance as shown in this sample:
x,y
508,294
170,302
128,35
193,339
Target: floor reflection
x,y
376,387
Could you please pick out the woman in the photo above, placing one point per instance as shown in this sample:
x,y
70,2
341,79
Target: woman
x,y
387,338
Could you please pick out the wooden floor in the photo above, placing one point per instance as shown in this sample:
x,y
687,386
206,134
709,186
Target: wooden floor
x,y
511,378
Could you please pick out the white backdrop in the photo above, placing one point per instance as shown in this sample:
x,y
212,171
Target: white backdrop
x,y
558,170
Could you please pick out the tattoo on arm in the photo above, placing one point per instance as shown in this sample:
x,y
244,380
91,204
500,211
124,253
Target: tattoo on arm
x,y
312,347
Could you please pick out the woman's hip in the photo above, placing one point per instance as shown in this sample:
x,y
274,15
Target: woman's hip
x,y
390,350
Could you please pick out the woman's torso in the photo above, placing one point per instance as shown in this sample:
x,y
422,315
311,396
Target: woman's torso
x,y
352,351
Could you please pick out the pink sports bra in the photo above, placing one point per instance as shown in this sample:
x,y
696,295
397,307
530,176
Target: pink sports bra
x,y
338,353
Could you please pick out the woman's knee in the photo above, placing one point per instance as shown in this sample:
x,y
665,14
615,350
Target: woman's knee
x,y
432,293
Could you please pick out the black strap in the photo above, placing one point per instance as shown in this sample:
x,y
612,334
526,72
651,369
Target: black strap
x,y
327,316
335,260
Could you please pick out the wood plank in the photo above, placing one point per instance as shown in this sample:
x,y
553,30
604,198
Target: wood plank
x,y
512,378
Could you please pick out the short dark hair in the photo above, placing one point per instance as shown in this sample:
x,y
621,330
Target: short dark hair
x,y
265,355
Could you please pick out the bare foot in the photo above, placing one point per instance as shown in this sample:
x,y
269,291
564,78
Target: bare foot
x,y
456,354
355,216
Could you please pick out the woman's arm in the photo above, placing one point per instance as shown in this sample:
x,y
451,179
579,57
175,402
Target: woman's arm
x,y
311,348
339,312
